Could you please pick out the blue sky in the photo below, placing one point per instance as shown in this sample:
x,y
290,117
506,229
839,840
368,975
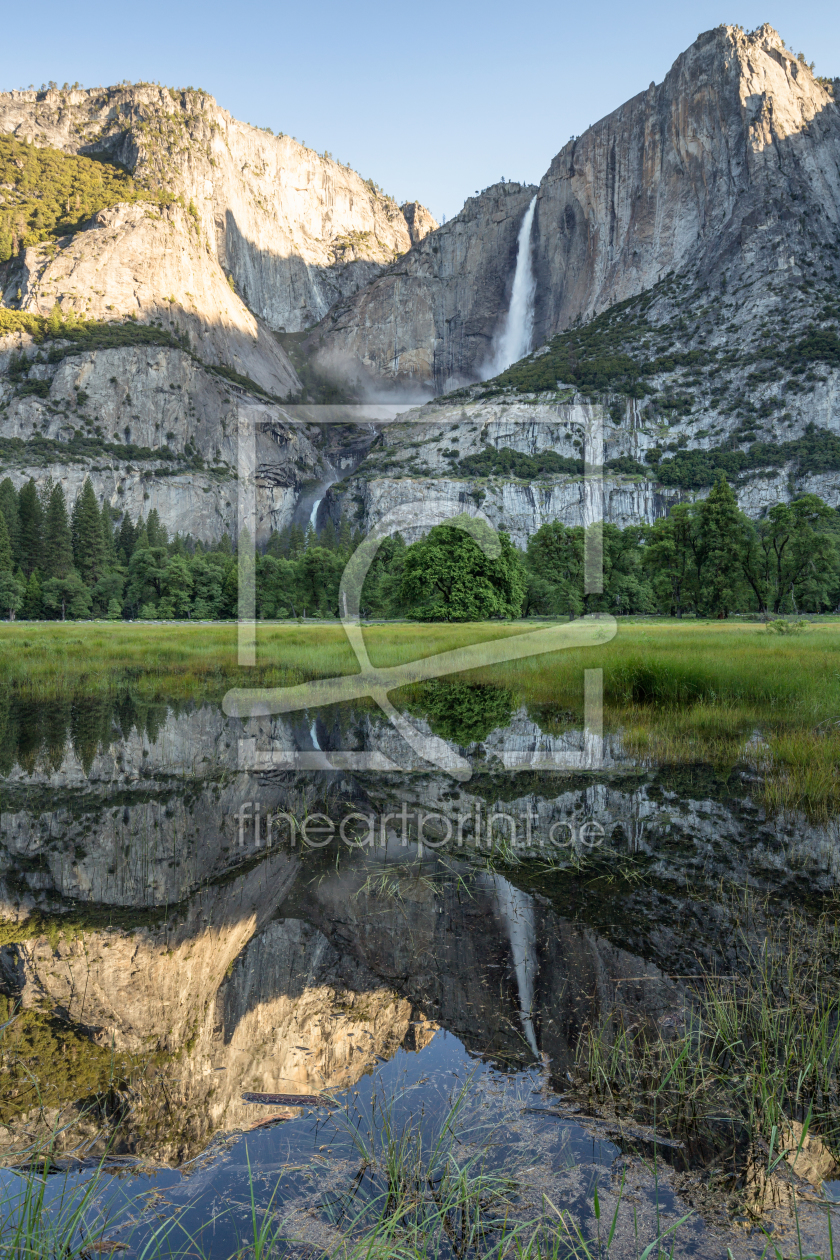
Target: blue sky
x,y
432,100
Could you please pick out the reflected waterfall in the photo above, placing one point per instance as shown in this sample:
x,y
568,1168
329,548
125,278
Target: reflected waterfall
x,y
517,910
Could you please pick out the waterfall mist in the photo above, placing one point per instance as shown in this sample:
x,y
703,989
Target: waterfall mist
x,y
513,340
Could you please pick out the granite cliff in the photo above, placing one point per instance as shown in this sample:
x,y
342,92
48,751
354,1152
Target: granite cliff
x,y
728,168
686,260
245,236
292,228
686,252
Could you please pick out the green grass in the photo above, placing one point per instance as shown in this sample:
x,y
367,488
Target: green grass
x,y
678,692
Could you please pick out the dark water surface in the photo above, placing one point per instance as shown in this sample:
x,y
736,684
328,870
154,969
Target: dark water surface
x,y
166,951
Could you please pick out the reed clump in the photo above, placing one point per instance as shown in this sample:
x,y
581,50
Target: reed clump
x,y
751,1052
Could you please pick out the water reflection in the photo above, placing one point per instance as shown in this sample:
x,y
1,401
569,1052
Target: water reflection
x,y
163,959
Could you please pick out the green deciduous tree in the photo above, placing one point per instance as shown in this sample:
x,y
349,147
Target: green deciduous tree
x,y
670,557
447,577
146,573
11,594
555,570
67,597
178,586
794,550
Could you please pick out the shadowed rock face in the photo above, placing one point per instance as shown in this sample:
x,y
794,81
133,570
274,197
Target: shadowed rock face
x,y
709,169
731,164
429,320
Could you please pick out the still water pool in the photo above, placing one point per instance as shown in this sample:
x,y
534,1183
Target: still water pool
x,y
190,915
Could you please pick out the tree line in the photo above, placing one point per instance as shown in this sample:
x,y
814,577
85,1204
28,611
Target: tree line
x,y
57,564
705,558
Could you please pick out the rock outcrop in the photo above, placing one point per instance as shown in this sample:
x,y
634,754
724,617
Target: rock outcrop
x,y
427,322
138,262
420,222
294,229
731,164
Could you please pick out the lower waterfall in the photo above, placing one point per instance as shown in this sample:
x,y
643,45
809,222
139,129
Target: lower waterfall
x,y
513,339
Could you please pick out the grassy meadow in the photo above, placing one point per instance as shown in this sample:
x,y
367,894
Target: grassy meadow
x,y
678,692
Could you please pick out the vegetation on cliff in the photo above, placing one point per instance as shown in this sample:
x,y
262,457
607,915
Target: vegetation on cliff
x,y
46,194
662,354
74,333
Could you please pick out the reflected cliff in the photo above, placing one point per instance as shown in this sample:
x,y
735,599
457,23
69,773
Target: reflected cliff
x,y
164,950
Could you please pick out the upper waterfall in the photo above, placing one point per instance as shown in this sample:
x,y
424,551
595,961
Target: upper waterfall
x,y
513,340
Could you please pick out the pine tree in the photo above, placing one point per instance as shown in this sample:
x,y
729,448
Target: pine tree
x,y
296,541
345,536
9,509
33,602
109,545
6,558
31,528
157,534
126,539
44,493
721,532
328,538
88,549
278,544
58,546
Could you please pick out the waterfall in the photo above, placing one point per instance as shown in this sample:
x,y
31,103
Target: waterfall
x,y
313,515
517,910
513,340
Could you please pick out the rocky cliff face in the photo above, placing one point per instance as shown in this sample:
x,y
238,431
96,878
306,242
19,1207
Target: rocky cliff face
x,y
420,222
699,223
294,229
732,164
153,428
714,169
259,234
427,322
422,456
141,263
